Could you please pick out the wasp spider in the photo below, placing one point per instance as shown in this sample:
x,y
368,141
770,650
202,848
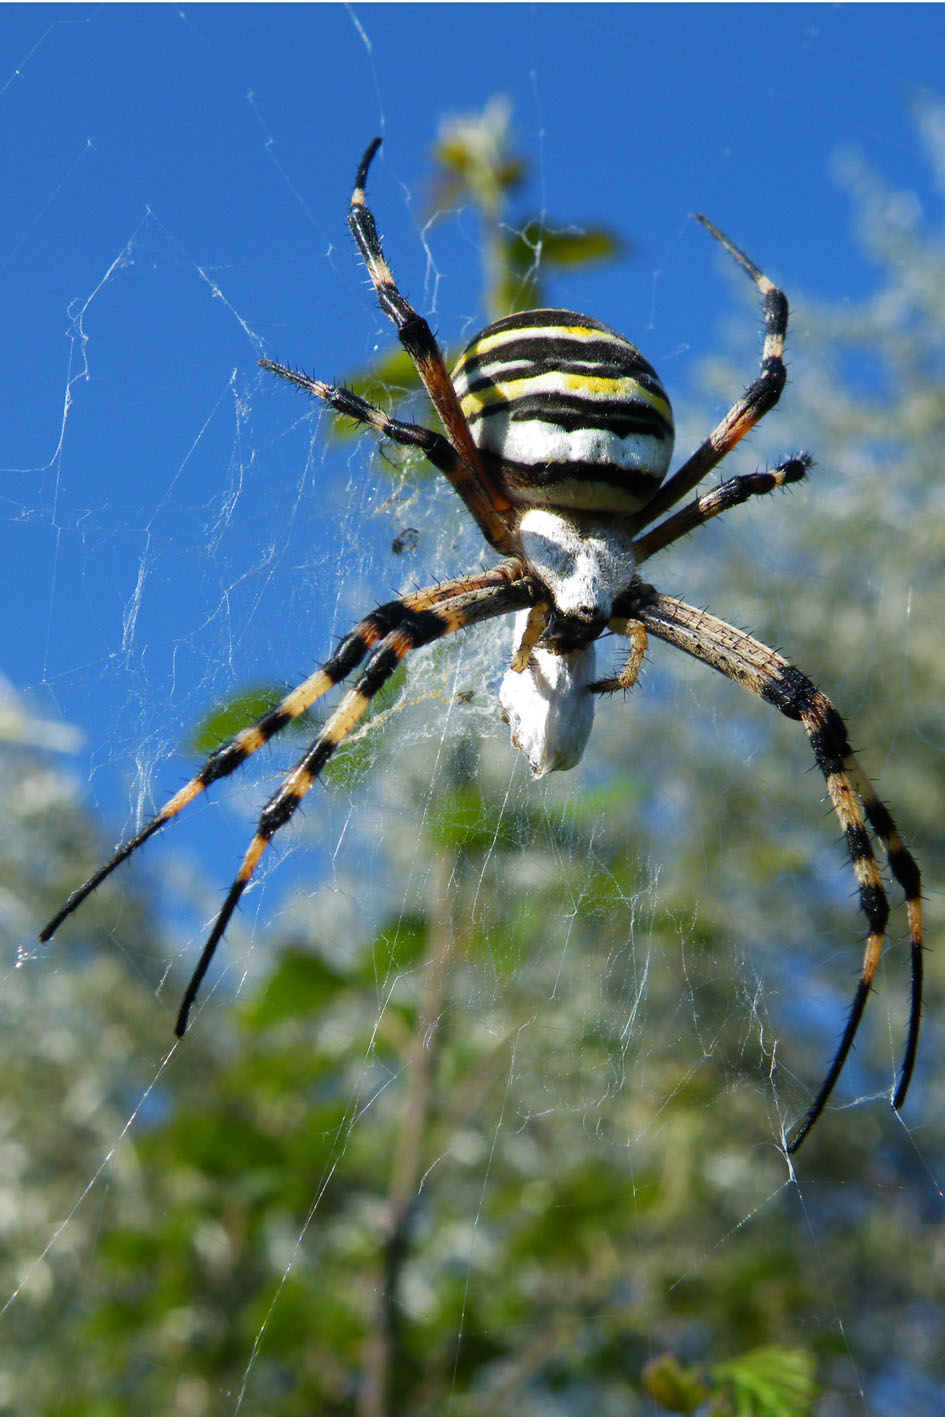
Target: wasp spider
x,y
557,435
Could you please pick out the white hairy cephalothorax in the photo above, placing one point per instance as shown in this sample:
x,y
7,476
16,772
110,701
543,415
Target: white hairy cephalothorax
x,y
585,560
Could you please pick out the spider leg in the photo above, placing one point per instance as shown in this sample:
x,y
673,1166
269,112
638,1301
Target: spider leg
x,y
232,754
535,627
470,479
636,634
720,499
758,399
417,627
766,673
906,872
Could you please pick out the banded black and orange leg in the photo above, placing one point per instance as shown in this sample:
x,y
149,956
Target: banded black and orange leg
x,y
433,445
758,399
482,496
416,627
905,870
232,754
439,451
766,673
721,499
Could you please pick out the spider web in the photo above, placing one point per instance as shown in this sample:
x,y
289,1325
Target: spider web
x,y
515,1056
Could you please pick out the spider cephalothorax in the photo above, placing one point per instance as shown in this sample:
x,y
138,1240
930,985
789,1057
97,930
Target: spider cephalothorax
x,y
558,437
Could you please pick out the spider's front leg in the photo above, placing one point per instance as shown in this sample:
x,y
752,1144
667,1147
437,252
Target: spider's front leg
x,y
486,501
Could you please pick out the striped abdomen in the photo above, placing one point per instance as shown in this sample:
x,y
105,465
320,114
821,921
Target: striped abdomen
x,y
566,412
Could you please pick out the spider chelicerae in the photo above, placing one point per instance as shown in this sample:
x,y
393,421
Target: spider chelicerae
x,y
558,436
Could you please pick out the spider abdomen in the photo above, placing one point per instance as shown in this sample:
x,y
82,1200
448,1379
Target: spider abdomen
x,y
566,412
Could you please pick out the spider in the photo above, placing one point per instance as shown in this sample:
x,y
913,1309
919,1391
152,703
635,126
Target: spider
x,y
558,435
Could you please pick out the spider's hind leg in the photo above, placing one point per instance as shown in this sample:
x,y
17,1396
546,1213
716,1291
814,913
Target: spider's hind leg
x,y
766,673
232,754
906,872
426,617
850,789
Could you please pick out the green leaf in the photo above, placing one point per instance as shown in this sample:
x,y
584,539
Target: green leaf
x,y
567,247
676,1388
462,819
303,983
399,944
528,252
768,1382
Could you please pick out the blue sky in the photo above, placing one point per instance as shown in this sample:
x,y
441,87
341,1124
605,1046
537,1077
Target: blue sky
x,y
175,182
